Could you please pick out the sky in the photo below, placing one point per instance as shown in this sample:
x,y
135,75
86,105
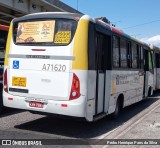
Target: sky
x,y
126,14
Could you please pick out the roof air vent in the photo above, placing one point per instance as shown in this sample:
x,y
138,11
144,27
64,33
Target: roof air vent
x,y
104,19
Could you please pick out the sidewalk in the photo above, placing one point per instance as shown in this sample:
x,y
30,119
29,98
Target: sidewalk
x,y
147,127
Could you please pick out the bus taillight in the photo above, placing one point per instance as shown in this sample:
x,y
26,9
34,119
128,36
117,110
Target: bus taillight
x,y
5,81
75,89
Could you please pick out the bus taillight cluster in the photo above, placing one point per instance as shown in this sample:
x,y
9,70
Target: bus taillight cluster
x,y
75,88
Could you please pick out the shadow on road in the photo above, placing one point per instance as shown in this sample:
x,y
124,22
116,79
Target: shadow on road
x,y
81,129
9,111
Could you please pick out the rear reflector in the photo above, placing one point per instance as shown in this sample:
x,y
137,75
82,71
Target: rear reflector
x,y
64,105
10,99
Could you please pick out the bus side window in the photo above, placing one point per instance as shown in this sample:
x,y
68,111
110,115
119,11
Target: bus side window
x,y
139,57
123,51
150,61
157,58
134,55
129,55
153,58
142,57
116,52
100,51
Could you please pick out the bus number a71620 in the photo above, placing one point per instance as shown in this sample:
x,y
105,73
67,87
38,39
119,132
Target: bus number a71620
x,y
52,67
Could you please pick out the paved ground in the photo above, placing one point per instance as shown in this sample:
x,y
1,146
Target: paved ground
x,y
18,124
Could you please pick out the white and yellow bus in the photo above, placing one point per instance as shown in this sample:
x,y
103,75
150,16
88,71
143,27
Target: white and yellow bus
x,y
156,60
74,65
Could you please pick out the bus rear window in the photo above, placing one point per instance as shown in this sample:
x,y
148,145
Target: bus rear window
x,y
44,32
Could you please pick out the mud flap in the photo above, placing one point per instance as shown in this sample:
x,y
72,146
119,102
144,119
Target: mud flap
x,y
90,109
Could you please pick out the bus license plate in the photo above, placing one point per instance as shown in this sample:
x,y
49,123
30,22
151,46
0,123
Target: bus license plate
x,y
19,81
36,104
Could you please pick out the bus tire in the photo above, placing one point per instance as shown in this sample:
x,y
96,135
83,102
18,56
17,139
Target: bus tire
x,y
118,108
149,91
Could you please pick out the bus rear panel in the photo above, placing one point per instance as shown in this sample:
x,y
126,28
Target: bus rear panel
x,y
39,74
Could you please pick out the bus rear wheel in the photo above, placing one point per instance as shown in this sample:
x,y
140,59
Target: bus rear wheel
x,y
118,107
149,92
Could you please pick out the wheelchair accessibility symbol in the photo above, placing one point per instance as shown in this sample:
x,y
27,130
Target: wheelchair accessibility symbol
x,y
15,64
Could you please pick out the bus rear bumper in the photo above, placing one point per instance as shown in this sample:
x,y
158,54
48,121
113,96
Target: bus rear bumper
x,y
75,108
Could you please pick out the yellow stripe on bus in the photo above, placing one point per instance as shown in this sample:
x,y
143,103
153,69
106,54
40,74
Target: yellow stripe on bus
x,y
80,49
8,45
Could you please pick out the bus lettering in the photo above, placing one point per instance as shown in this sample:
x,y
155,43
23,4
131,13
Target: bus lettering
x,y
52,67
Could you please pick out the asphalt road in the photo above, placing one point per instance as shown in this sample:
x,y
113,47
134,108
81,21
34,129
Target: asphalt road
x,y
19,124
